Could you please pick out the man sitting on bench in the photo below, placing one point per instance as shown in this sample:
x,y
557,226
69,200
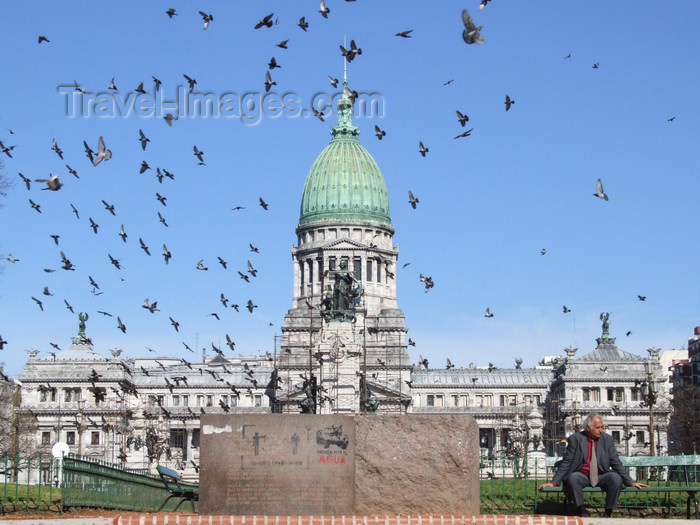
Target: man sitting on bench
x,y
579,468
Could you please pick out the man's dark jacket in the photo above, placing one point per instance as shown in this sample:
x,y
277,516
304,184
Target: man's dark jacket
x,y
577,450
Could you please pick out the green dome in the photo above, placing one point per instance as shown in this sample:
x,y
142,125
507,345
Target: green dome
x,y
345,185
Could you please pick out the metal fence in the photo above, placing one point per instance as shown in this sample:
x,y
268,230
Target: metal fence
x,y
93,483
509,484
28,484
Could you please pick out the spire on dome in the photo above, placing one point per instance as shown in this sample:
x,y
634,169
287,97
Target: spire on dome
x,y
345,108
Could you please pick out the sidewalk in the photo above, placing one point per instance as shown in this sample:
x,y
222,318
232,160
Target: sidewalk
x,y
193,519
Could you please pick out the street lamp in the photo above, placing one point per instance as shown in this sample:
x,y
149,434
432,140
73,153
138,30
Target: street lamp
x,y
650,396
79,424
576,419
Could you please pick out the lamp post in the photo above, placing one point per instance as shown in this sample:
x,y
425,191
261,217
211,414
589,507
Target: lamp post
x,y
576,420
79,425
650,396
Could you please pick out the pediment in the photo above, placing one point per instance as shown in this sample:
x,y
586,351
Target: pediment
x,y
345,244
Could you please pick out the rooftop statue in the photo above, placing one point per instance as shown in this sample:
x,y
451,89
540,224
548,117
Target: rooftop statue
x,y
81,325
605,316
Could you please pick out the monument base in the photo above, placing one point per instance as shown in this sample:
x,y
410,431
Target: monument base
x,y
281,464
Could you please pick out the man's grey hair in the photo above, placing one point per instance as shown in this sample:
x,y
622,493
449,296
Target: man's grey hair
x,y
588,422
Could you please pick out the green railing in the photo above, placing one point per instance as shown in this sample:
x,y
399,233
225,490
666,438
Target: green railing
x,y
509,484
98,484
28,484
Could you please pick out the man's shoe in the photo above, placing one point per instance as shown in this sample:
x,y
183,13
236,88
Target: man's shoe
x,y
583,512
607,513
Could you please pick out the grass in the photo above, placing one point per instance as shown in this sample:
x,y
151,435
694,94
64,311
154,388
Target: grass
x,y
507,495
21,497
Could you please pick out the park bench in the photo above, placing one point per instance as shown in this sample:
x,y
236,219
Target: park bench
x,y
663,468
177,489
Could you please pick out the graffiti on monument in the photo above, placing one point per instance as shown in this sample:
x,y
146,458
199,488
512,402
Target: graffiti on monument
x,y
303,465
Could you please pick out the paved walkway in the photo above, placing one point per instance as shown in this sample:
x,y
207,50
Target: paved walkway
x,y
193,519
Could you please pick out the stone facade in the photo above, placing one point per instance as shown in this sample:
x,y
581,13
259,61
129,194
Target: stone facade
x,y
134,411
529,410
687,368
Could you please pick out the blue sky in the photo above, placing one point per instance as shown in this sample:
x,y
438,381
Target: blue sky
x,y
489,203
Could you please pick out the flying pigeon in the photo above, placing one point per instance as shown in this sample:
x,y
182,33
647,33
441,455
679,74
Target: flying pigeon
x,y
509,102
412,200
267,21
52,183
102,153
471,33
599,191
207,18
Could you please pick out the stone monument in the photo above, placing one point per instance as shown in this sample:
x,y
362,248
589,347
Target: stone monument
x,y
294,465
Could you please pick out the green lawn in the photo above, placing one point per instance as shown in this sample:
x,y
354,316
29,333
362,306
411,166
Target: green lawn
x,y
14,497
508,495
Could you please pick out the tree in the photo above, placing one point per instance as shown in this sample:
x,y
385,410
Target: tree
x,y
17,429
685,421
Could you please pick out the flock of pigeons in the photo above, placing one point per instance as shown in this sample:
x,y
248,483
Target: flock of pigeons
x,y
470,35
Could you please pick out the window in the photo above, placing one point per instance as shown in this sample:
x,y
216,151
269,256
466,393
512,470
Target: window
x,y
619,394
95,438
616,436
70,438
531,400
154,400
185,401
320,270
591,394
357,268
507,400
482,401
200,401
459,400
434,400
258,400
505,437
48,394
45,438
616,394
210,400
71,395
301,277
233,401
635,394
369,270
484,437
379,271
176,401
224,399
177,438
639,438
